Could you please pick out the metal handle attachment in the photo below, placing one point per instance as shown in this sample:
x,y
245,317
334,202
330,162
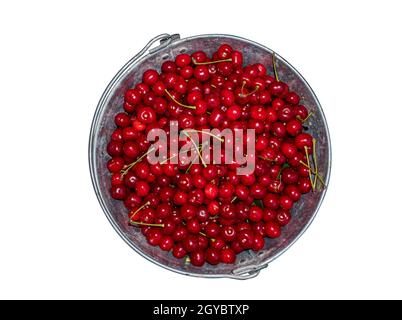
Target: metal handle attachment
x,y
248,272
165,40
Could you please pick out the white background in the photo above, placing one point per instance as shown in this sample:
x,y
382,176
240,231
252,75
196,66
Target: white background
x,y
56,58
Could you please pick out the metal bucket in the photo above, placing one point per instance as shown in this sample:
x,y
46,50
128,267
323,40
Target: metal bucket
x,y
249,263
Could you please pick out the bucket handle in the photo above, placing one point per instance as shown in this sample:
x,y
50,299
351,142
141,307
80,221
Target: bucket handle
x,y
164,39
249,272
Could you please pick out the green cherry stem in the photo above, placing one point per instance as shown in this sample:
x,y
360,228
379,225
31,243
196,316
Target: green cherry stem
x,y
178,102
314,172
125,171
197,149
139,223
203,132
138,210
211,62
315,161
309,168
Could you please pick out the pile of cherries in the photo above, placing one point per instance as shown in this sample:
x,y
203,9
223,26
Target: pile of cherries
x,y
209,213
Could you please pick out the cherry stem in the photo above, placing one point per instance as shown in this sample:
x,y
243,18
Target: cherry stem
x,y
314,172
308,116
250,93
266,159
233,200
139,223
279,176
274,66
211,62
183,151
204,132
315,161
309,168
138,210
189,167
125,171
178,102
197,149
242,88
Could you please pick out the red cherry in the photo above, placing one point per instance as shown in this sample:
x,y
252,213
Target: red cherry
x,y
183,60
285,202
154,237
211,191
227,256
304,185
115,164
294,127
227,98
118,192
237,58
190,243
150,77
288,149
197,258
132,96
168,67
212,256
255,214
178,251
292,98
201,73
146,115
303,140
122,120
272,229
283,217
258,243
166,243
142,188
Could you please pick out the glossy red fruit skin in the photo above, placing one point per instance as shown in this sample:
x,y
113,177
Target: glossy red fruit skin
x,y
166,243
283,217
132,96
272,229
154,237
228,233
116,164
303,140
190,243
197,258
150,77
227,256
304,185
114,148
118,192
258,243
294,127
183,60
178,251
212,230
122,120
255,214
212,256
237,58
